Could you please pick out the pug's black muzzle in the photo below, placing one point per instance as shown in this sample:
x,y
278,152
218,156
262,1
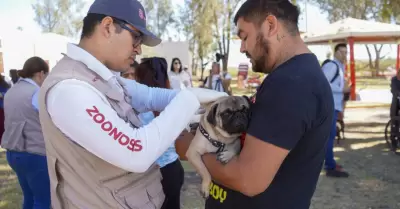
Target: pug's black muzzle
x,y
236,122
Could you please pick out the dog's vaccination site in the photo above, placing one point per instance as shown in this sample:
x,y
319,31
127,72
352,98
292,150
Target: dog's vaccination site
x,y
199,104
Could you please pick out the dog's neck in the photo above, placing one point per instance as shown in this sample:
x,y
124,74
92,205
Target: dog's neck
x,y
216,143
216,134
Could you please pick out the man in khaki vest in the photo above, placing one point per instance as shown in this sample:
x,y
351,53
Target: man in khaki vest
x,y
98,153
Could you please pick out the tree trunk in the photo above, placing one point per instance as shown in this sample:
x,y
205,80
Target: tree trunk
x,y
225,64
194,68
377,58
371,66
202,68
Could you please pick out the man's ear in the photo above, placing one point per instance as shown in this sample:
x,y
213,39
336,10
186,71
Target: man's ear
x,y
211,117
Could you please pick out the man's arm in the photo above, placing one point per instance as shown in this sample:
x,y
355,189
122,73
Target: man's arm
x,y
329,69
145,98
250,173
88,119
268,141
150,99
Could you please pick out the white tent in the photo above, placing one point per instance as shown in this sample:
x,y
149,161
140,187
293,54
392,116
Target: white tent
x,y
363,30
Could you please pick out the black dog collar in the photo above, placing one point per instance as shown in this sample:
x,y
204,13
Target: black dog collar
x,y
214,142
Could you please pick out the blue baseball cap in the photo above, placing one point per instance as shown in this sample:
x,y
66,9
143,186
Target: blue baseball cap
x,y
130,11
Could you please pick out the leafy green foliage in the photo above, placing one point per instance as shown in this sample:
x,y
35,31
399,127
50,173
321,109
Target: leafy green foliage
x,y
59,16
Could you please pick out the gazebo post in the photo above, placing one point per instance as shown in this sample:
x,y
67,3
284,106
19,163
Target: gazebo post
x,y
352,70
398,57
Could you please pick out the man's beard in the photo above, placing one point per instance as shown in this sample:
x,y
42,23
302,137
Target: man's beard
x,y
260,62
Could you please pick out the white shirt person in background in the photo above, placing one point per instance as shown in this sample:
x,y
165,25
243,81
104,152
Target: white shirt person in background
x,y
179,78
219,82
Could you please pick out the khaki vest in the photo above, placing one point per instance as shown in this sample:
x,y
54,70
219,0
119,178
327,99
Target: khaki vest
x,y
80,179
22,130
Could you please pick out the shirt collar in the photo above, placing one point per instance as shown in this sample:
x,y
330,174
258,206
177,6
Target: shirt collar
x,y
30,81
77,53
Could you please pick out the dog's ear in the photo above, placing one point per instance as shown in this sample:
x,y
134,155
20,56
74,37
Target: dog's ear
x,y
247,98
211,117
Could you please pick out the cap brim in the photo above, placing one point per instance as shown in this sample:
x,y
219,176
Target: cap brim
x,y
149,38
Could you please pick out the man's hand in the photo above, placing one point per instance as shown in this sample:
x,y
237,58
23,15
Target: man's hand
x,y
182,144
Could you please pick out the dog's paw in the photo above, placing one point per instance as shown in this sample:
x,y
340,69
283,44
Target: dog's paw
x,y
225,156
205,189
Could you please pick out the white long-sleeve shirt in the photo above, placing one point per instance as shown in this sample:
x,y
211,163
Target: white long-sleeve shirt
x,y
337,85
76,108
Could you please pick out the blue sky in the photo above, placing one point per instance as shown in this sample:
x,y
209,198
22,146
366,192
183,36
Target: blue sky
x,y
18,13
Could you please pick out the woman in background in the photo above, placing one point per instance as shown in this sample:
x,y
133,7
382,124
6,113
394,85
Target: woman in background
x,y
153,72
14,76
23,137
4,86
179,78
130,73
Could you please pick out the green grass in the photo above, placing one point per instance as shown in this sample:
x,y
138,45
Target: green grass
x,y
10,192
372,83
187,166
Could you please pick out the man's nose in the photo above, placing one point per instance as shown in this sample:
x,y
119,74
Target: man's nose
x,y
138,49
242,47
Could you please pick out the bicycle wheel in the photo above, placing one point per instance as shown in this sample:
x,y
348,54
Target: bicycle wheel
x,y
388,134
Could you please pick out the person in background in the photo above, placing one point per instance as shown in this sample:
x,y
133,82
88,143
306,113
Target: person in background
x,y
4,86
218,82
153,73
203,84
14,76
179,79
186,69
334,72
130,73
23,138
395,109
7,79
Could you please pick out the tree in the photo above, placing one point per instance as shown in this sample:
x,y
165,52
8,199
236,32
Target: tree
x,y
379,10
202,29
63,17
223,21
184,26
160,15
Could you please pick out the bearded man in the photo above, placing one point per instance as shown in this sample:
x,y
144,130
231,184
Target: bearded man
x,y
283,152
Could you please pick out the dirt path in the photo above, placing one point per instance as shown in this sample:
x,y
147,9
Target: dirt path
x,y
375,173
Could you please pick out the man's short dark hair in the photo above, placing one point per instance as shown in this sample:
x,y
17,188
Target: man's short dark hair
x,y
91,21
338,46
256,11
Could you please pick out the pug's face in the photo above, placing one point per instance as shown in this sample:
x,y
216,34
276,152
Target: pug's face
x,y
229,115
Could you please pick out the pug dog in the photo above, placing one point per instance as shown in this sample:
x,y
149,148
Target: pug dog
x,y
219,131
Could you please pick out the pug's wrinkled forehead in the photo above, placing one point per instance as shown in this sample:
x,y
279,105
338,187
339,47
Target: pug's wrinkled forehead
x,y
227,106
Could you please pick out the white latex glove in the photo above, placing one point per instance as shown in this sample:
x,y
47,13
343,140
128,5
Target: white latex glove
x,y
206,95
